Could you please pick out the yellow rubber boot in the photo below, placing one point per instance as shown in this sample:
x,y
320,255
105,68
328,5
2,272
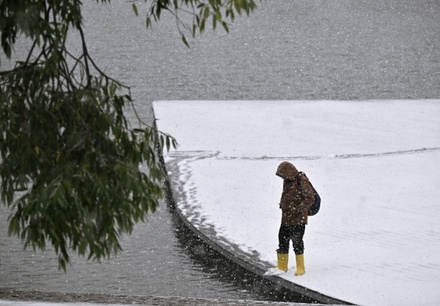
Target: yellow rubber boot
x,y
300,270
283,260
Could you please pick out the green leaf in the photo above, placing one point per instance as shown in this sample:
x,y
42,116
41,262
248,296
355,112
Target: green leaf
x,y
214,21
168,143
225,26
206,12
185,41
135,9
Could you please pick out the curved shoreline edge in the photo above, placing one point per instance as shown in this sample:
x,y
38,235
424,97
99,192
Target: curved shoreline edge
x,y
242,261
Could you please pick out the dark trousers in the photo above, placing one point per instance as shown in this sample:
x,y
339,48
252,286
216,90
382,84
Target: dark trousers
x,y
294,233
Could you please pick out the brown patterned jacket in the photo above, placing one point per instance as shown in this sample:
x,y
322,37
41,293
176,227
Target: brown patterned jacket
x,y
297,196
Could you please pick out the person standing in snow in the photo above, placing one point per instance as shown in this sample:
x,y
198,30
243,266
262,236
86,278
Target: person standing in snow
x,y
295,203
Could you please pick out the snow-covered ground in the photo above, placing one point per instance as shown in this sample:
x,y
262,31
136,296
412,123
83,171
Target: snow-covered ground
x,y
376,165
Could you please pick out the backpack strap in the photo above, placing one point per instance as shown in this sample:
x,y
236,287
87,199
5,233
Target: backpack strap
x,y
301,183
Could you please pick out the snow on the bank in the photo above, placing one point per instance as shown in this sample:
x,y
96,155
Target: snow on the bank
x,y
376,165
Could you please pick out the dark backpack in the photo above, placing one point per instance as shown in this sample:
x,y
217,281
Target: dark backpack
x,y
317,203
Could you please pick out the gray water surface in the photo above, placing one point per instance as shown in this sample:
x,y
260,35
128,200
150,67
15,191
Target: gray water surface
x,y
311,49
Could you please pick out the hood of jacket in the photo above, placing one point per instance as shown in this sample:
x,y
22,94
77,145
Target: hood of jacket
x,y
286,171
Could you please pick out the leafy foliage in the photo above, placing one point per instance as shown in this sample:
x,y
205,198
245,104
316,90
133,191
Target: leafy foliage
x,y
69,160
199,12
